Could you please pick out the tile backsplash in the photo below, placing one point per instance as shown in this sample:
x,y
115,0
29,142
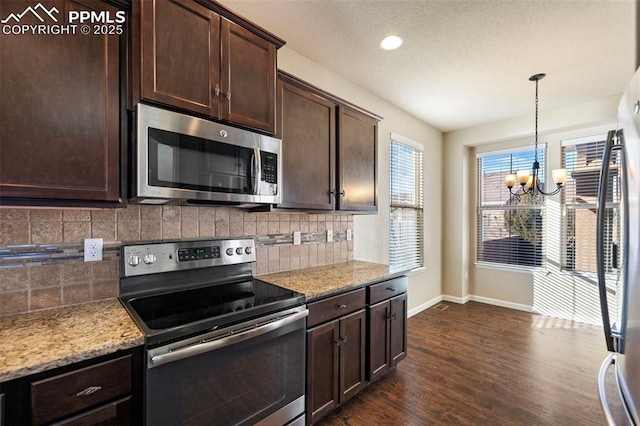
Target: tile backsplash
x,y
28,286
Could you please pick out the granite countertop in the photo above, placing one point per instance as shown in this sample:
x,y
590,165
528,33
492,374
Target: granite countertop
x,y
42,340
321,281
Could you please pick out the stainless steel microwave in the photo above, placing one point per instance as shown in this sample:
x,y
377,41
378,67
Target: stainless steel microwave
x,y
181,159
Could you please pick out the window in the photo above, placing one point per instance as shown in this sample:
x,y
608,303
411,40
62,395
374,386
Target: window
x,y
583,160
510,227
406,245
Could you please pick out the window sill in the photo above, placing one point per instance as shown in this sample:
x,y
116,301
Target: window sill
x,y
507,268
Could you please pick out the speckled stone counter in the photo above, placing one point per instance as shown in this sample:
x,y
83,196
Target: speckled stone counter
x,y
321,281
42,340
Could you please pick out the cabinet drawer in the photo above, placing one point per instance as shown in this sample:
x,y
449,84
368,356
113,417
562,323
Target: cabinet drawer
x,y
334,307
116,413
63,395
386,289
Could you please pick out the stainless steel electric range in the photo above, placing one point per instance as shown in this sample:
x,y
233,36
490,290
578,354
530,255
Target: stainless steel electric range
x,y
222,347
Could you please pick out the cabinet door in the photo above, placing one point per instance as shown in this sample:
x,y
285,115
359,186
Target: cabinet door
x,y
398,332
248,78
59,109
322,370
379,324
357,161
352,354
308,149
180,43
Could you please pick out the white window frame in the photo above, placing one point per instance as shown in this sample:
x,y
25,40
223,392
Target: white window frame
x,y
571,263
499,209
406,243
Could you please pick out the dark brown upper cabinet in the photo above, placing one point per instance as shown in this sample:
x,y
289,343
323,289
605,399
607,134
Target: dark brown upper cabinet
x,y
357,161
194,57
60,111
308,138
329,150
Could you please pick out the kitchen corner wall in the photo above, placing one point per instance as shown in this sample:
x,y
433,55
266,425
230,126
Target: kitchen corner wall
x,y
28,286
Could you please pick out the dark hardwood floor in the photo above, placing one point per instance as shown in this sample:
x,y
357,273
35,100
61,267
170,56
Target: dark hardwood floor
x,y
478,364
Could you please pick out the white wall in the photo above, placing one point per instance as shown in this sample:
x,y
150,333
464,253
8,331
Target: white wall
x,y
371,232
462,279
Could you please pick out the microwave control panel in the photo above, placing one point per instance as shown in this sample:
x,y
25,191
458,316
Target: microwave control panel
x,y
269,167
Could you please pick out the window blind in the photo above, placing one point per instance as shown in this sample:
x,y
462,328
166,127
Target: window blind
x,y
583,161
406,245
510,229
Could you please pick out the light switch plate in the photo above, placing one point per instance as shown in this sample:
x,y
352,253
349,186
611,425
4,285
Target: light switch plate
x,y
296,238
92,249
349,235
329,235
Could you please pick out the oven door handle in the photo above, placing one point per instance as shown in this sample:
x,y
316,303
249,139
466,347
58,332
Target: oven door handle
x,y
204,347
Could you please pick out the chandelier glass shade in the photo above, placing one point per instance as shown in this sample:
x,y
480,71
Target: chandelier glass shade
x,y
529,180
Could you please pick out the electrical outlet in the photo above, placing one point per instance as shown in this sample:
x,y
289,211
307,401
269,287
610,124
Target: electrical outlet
x,y
296,238
329,235
349,235
92,249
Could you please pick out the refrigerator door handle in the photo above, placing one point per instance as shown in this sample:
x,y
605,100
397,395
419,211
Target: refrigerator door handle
x,y
600,219
602,376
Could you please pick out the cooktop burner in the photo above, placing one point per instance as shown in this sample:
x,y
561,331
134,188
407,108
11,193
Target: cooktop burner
x,y
178,308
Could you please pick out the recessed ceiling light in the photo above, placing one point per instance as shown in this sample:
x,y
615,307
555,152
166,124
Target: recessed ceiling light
x,y
391,42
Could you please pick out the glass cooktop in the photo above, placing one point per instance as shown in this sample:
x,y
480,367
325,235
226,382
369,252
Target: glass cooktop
x,y
222,300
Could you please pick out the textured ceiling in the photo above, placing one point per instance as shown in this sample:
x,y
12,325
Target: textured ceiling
x,y
463,63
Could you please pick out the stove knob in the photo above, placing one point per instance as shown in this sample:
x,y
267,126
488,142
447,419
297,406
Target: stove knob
x,y
133,260
248,250
239,250
148,259
229,251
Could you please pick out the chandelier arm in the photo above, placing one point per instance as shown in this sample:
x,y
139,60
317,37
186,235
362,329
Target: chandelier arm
x,y
548,194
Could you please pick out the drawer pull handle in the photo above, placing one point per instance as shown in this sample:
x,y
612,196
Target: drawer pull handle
x,y
343,306
391,289
89,391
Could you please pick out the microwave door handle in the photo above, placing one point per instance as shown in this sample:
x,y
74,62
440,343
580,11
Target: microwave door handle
x,y
600,216
258,171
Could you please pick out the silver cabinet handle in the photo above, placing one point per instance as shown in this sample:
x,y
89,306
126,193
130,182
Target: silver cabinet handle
x,y
343,306
216,91
89,391
602,375
229,95
391,289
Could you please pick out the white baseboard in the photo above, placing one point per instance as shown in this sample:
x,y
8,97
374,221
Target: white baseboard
x,y
502,303
463,300
455,299
424,306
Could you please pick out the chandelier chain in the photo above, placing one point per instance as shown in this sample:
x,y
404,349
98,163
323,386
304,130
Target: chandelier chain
x,y
536,134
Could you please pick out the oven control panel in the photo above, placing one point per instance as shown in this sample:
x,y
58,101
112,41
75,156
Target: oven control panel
x,y
151,258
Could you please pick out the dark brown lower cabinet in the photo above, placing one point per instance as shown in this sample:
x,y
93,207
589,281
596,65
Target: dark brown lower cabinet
x,y
102,391
353,339
335,363
387,335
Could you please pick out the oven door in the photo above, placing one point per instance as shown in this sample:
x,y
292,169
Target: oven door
x,y
252,374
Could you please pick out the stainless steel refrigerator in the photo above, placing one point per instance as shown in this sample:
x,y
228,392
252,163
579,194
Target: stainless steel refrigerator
x,y
622,327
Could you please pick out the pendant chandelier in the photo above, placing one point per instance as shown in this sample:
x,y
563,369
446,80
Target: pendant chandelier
x,y
530,181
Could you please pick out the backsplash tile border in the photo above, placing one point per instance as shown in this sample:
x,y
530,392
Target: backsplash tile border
x,y
28,286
